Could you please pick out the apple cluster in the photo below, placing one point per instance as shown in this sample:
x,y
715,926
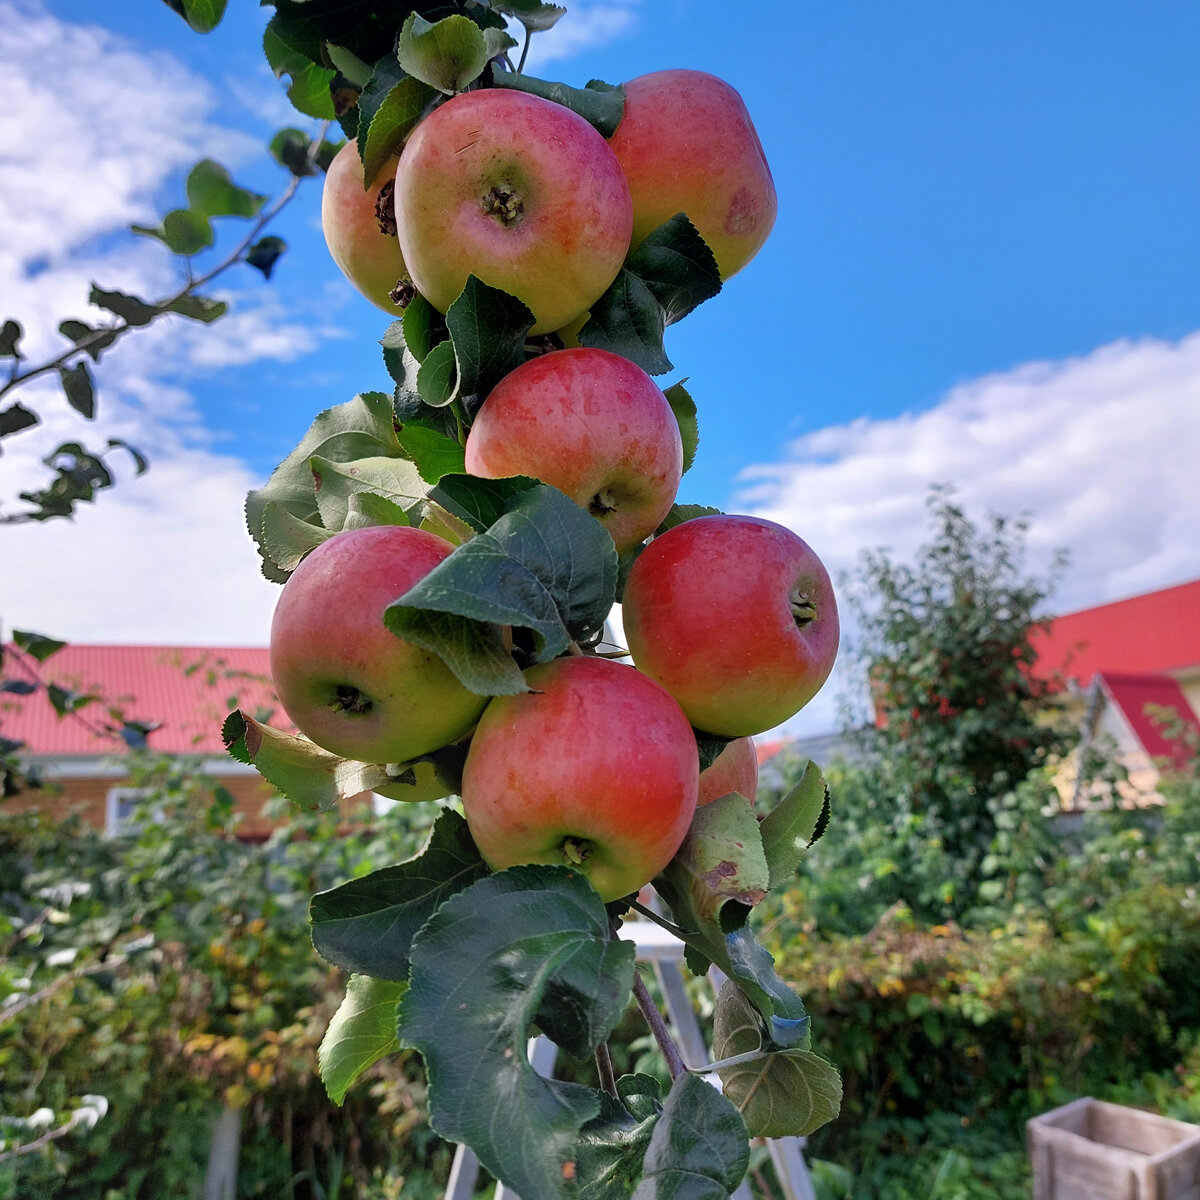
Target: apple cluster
x,y
731,621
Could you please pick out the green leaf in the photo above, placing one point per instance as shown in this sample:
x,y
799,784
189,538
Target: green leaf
x,y
601,107
781,1094
265,253
17,687
286,539
139,459
474,650
202,15
710,746
488,328
684,408
361,428
415,329
684,512
16,417
666,277
612,1145
363,1031
529,945
289,148
434,453
699,1149
446,55
533,14
298,769
366,508
183,231
546,565
480,502
395,479
791,827
10,335
349,64
709,886
65,700
389,108
212,192
130,309
198,308
77,384
368,924
97,340
437,377
36,645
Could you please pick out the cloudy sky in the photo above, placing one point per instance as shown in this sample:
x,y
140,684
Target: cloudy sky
x,y
984,273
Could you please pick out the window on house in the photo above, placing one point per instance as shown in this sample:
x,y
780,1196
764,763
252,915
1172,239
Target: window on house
x,y
122,810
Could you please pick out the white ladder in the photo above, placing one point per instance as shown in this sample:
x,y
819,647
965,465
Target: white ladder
x,y
664,952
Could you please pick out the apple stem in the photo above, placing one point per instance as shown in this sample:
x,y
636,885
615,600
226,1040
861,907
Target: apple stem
x,y
658,1027
604,1069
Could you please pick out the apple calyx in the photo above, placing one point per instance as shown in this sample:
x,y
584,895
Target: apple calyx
x,y
804,610
403,293
575,851
505,204
385,209
602,503
349,699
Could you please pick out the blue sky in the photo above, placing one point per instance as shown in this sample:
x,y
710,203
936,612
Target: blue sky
x,y
984,272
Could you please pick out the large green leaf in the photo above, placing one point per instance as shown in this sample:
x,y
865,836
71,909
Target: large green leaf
x,y
202,15
794,824
663,279
297,768
363,1031
336,483
447,54
391,104
699,1149
480,502
716,876
612,1145
788,1093
368,924
361,428
488,328
530,945
546,566
130,309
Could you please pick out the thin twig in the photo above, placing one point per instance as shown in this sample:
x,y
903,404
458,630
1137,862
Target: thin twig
x,y
45,1139
14,1010
669,926
658,1027
525,49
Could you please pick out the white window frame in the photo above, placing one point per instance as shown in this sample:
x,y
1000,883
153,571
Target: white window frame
x,y
114,821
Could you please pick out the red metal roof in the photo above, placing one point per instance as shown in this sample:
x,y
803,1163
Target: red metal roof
x,y
1154,632
188,690
1134,693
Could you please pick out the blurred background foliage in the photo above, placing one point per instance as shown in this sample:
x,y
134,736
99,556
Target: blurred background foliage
x,y
969,958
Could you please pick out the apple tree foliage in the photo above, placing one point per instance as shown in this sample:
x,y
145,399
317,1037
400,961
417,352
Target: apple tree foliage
x,y
444,954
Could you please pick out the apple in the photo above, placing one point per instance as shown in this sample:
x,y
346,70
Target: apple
x,y
360,227
345,680
595,769
735,616
735,769
592,424
686,144
519,191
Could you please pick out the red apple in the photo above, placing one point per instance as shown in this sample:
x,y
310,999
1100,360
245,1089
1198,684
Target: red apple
x,y
686,144
594,425
360,227
735,616
735,769
595,769
347,681
516,190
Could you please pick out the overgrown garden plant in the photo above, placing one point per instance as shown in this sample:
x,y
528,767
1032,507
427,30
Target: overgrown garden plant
x,y
520,218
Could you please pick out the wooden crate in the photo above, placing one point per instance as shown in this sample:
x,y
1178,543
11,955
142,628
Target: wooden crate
x,y
1090,1150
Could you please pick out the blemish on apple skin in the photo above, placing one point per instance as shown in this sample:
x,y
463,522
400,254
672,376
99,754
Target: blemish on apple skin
x,y
742,215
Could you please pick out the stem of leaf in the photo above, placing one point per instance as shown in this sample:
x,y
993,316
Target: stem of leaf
x,y
525,49
604,1068
649,913
658,1027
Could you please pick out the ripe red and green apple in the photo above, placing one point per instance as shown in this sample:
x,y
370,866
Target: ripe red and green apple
x,y
595,768
345,680
735,769
686,144
519,191
592,424
360,227
735,616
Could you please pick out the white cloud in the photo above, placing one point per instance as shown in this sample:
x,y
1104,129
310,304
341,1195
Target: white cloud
x,y
1100,453
164,557
588,25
